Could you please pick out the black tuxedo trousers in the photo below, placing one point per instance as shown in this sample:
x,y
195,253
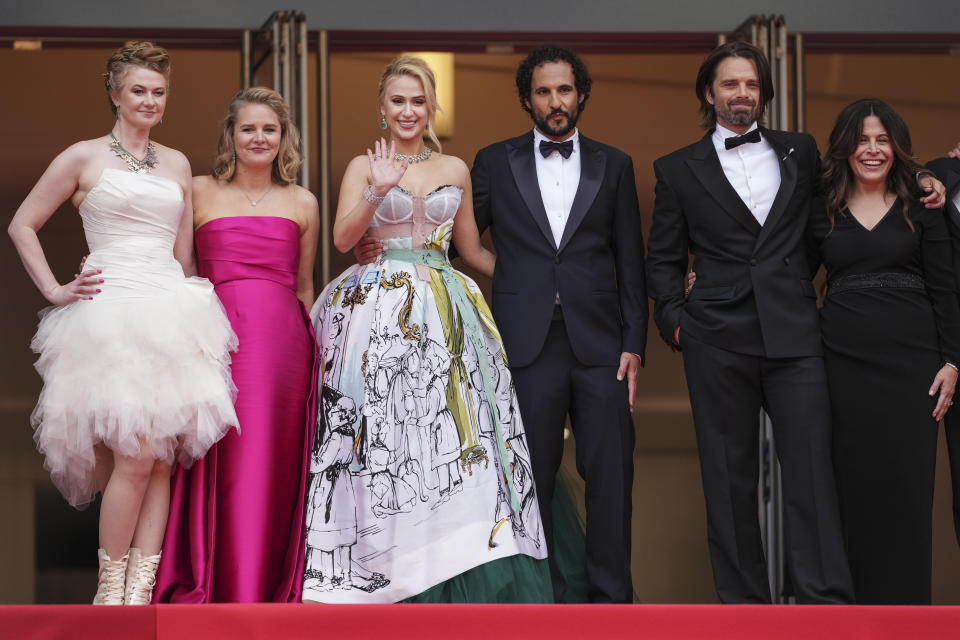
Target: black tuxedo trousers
x,y
554,385
727,391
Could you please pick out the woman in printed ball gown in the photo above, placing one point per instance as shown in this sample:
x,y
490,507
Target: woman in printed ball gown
x,y
135,351
420,485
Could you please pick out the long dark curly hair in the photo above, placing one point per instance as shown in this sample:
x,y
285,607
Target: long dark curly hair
x,y
837,178
552,53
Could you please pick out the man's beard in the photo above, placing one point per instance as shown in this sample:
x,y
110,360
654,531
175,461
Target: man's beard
x,y
557,132
727,116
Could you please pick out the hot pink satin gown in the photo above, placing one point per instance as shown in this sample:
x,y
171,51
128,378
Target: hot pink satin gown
x,y
235,532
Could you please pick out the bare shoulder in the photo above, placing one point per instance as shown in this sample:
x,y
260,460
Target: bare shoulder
x,y
357,173
173,159
303,207
207,198
453,163
174,165
83,151
305,199
453,170
358,163
79,164
203,185
308,209
79,158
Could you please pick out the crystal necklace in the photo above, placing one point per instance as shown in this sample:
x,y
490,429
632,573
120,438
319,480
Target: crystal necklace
x,y
414,158
133,163
252,202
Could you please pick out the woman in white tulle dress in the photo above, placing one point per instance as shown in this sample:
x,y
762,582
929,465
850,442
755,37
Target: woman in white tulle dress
x,y
135,351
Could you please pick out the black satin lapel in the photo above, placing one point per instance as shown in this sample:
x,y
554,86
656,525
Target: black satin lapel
x,y
593,164
706,166
788,183
524,170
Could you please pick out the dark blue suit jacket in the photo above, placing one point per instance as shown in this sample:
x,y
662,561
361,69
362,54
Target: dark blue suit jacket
x,y
597,269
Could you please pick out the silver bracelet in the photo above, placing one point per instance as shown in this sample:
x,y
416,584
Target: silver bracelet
x,y
369,196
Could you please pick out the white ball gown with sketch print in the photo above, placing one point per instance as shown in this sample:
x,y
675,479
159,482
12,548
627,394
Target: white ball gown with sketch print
x,y
147,360
416,478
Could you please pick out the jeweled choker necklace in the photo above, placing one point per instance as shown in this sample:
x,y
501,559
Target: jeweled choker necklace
x,y
135,164
414,158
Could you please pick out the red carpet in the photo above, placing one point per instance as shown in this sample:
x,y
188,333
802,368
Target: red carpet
x,y
489,622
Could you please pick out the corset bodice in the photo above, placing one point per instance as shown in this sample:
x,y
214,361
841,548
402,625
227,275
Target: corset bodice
x,y
400,206
405,221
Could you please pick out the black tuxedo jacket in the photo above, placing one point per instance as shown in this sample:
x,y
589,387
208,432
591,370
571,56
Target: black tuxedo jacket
x,y
754,293
597,269
948,171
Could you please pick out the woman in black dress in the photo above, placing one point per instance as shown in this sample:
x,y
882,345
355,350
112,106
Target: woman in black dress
x,y
891,332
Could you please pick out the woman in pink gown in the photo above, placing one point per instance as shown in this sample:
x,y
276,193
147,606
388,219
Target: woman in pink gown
x,y
236,518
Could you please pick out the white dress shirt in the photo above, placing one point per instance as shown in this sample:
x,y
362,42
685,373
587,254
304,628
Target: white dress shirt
x,y
559,178
752,170
956,200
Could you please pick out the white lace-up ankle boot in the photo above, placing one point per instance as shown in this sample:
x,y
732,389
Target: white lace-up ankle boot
x,y
110,579
141,576
133,557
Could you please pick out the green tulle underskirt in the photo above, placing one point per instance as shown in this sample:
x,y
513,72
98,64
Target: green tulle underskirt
x,y
518,578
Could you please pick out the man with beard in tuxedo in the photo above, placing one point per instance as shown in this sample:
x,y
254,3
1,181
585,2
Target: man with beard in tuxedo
x,y
569,297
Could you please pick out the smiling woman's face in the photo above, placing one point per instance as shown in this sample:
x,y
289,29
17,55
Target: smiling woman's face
x,y
872,160
257,134
405,108
142,97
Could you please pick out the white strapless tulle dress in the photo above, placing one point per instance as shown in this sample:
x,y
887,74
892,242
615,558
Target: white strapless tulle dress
x,y
147,360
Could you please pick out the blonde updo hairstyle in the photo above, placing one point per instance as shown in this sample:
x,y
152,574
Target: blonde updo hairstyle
x,y
288,160
415,68
133,54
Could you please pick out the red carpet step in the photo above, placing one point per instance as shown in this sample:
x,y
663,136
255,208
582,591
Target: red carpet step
x,y
466,622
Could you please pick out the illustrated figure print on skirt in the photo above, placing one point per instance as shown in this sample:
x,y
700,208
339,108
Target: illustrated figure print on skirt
x,y
423,445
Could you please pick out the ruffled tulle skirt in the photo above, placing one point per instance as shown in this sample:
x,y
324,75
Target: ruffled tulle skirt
x,y
150,369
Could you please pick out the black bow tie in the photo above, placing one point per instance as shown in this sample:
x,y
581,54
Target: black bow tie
x,y
736,141
547,147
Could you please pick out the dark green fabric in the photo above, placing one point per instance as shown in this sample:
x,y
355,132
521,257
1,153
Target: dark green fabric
x,y
520,578
516,578
569,543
